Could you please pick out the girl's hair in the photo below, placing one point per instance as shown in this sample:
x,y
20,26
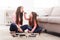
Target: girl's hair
x,y
34,14
19,14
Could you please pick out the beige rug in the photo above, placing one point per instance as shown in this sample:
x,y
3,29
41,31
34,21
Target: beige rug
x,y
5,35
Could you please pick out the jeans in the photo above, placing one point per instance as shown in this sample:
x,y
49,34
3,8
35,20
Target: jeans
x,y
13,27
37,30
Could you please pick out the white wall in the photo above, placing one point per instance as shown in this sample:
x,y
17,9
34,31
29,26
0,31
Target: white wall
x,y
40,5
29,5
12,5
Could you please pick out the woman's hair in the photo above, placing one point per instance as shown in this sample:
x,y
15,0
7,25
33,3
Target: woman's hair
x,y
34,14
19,14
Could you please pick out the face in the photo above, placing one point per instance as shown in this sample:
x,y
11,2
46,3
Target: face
x,y
21,9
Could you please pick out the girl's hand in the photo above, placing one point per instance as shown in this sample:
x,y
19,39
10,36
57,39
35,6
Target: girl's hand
x,y
18,26
25,16
30,31
19,29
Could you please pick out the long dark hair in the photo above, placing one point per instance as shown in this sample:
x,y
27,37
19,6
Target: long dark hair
x,y
19,14
31,23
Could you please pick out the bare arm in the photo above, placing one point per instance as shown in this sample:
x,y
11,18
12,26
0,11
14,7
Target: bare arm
x,y
19,29
25,16
35,25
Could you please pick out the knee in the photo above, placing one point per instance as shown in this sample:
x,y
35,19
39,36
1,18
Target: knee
x,y
12,27
13,24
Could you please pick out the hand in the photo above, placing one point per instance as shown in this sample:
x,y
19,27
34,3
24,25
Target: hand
x,y
30,31
19,29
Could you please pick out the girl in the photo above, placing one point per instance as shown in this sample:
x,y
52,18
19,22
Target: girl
x,y
33,24
16,26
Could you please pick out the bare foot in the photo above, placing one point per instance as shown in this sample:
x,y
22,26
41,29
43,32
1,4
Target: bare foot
x,y
13,33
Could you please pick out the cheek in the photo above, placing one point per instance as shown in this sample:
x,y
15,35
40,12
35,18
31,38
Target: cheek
x,y
31,15
22,10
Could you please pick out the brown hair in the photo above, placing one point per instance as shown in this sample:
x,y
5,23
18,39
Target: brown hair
x,y
19,14
31,23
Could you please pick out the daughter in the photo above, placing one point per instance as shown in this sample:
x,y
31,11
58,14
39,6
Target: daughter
x,y
33,24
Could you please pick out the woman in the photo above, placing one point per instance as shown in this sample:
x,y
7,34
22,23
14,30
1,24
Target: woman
x,y
33,24
16,26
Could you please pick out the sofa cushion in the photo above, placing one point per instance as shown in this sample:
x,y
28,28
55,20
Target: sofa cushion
x,y
55,15
43,19
54,20
55,11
